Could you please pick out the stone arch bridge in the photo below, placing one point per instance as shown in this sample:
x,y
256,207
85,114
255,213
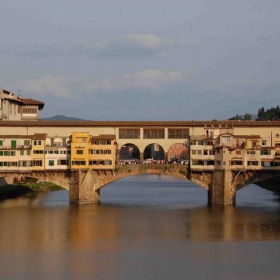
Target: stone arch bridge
x,y
84,185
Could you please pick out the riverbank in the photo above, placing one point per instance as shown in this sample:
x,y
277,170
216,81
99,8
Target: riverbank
x,y
17,190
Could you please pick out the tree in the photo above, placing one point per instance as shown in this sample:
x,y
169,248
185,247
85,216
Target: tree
x,y
247,117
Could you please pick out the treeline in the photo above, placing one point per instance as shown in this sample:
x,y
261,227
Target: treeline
x,y
246,117
269,114
263,115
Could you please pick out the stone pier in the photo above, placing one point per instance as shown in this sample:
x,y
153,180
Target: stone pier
x,y
84,187
221,191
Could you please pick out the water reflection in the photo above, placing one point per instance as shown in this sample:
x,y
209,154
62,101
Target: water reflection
x,y
48,222
137,219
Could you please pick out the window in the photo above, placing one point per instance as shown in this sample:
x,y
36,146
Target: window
x,y
152,133
236,162
265,152
26,110
26,142
37,142
38,163
226,139
129,133
264,142
78,162
38,152
79,152
178,133
251,152
51,162
251,162
62,162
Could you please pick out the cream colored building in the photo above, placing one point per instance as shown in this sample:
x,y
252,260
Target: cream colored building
x,y
15,108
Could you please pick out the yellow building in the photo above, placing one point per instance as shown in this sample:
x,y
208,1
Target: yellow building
x,y
102,153
80,142
92,152
38,141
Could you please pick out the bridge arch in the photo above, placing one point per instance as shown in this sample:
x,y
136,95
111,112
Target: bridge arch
x,y
177,151
260,178
154,151
129,151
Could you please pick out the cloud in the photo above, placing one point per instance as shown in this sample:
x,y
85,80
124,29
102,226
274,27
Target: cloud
x,y
263,39
151,79
64,87
145,40
118,47
50,85
135,45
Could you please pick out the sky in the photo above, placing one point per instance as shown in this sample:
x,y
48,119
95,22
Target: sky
x,y
154,60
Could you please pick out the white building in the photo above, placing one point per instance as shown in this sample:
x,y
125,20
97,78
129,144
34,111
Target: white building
x,y
16,108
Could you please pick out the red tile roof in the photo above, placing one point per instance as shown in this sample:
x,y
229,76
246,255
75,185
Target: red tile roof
x,y
206,124
29,101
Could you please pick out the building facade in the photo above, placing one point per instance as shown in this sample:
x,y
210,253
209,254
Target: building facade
x,y
16,108
40,152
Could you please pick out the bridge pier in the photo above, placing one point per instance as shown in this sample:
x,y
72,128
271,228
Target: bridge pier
x,y
221,191
84,187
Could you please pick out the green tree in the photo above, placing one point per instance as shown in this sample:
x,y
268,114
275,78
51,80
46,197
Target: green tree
x,y
247,117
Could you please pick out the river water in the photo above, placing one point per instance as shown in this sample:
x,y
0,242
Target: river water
x,y
145,227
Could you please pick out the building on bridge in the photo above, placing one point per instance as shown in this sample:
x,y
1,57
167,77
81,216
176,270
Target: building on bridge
x,y
40,152
16,108
92,152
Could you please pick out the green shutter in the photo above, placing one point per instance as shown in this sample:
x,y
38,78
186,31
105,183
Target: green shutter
x,y
13,144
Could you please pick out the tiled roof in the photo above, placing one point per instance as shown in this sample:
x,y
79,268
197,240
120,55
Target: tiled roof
x,y
104,137
206,124
15,136
39,136
248,136
29,101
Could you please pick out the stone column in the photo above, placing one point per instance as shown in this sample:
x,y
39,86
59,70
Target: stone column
x,y
84,187
221,190
141,156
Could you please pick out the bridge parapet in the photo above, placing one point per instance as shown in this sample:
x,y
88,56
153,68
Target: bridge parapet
x,y
162,169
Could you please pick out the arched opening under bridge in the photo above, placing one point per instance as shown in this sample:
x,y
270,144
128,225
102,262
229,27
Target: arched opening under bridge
x,y
177,151
153,190
154,151
129,152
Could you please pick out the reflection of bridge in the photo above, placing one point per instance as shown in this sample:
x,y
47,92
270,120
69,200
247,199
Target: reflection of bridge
x,y
84,185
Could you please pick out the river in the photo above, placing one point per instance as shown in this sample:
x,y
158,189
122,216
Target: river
x,y
145,227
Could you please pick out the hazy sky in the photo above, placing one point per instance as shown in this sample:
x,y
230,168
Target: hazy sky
x,y
142,60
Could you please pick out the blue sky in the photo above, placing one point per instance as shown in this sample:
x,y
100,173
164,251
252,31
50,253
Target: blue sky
x,y
142,60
